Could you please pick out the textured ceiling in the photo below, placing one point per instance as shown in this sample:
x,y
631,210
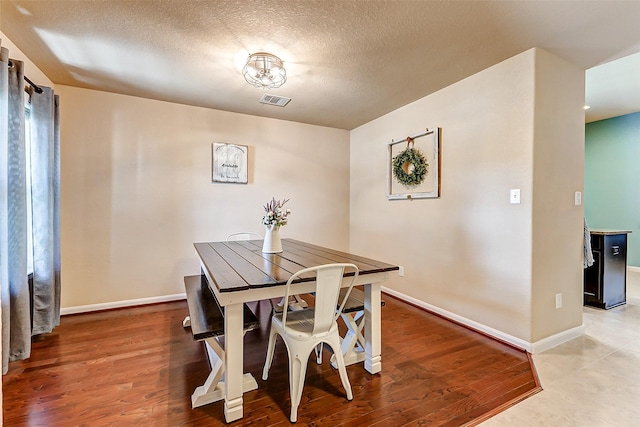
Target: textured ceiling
x,y
348,62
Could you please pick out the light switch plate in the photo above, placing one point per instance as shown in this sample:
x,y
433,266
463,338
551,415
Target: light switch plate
x,y
514,197
578,198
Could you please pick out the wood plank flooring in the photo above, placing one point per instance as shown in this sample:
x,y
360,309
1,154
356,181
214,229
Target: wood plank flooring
x,y
138,366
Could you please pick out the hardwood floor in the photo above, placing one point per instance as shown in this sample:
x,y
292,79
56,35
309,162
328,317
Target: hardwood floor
x,y
138,366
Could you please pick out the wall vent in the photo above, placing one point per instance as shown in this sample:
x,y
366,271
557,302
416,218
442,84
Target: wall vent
x,y
278,101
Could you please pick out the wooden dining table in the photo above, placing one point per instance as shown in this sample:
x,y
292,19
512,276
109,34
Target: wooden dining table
x,y
239,272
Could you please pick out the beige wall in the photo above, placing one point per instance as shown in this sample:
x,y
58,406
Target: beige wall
x,y
469,253
558,173
137,191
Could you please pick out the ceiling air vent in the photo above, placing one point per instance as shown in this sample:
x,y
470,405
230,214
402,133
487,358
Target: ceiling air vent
x,y
278,101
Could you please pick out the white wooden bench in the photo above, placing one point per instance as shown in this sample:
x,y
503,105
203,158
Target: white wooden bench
x,y
206,319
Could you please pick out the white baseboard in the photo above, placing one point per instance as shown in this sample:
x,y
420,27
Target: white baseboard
x,y
557,339
537,347
120,304
634,269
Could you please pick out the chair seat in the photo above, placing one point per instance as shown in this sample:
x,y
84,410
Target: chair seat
x,y
300,324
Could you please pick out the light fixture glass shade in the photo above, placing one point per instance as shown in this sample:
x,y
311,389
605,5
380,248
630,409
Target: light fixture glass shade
x,y
264,70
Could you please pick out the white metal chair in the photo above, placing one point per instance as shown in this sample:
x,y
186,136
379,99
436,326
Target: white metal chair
x,y
304,331
244,235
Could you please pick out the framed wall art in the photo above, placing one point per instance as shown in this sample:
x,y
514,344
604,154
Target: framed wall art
x,y
414,166
229,163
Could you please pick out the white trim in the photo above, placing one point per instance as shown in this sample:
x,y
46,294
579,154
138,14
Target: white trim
x,y
120,304
634,269
536,347
557,339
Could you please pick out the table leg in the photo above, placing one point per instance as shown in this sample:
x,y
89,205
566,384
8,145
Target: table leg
x,y
213,389
372,328
233,335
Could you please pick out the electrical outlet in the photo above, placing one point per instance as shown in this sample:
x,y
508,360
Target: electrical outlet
x,y
401,271
558,300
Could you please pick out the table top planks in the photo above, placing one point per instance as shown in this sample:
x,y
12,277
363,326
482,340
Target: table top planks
x,y
240,265
366,265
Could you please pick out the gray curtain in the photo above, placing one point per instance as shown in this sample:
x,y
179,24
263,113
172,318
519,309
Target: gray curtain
x,y
45,200
16,316
25,311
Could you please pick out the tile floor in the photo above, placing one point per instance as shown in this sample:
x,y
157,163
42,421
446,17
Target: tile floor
x,y
590,381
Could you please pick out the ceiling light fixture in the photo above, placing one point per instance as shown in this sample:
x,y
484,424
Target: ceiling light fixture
x,y
264,70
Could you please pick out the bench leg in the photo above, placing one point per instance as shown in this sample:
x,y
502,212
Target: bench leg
x,y
352,346
213,388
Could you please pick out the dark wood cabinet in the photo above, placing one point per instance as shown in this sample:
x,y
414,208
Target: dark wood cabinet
x,y
605,282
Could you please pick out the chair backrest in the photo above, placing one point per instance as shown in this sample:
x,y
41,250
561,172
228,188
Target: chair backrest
x,y
244,235
329,278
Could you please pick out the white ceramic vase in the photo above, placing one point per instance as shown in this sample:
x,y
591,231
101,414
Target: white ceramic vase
x,y
272,243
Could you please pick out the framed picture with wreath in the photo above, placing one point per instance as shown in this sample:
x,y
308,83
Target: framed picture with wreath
x,y
414,166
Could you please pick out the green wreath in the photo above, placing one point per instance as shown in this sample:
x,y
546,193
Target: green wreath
x,y
402,164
